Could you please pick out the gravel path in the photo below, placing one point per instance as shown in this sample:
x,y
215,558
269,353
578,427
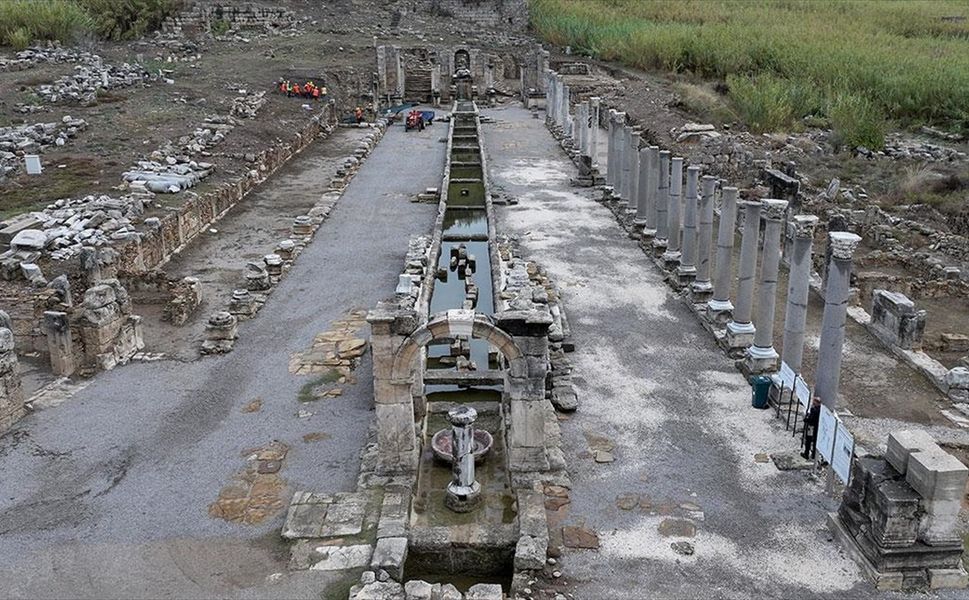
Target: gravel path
x,y
107,494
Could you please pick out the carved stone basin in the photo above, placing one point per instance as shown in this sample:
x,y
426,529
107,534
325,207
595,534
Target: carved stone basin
x,y
441,445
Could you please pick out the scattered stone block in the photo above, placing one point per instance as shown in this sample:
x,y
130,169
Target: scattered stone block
x,y
390,555
484,591
901,444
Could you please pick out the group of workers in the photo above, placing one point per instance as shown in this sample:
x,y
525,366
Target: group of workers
x,y
306,90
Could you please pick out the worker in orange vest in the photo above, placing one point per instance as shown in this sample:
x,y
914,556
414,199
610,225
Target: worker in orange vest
x,y
316,93
297,90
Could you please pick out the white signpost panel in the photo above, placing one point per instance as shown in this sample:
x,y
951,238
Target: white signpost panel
x,y
844,447
786,375
803,392
827,427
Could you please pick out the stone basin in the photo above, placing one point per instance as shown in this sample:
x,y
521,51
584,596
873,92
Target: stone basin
x,y
441,445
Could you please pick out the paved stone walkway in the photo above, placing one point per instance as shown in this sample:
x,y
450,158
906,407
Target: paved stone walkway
x,y
107,494
676,413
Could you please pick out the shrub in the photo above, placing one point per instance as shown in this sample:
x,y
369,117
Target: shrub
x,y
857,122
128,19
19,38
763,102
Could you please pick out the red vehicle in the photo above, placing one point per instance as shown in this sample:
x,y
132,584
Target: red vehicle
x,y
415,120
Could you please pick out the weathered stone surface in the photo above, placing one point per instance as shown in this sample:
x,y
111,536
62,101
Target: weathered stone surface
x,y
484,591
529,554
390,555
579,537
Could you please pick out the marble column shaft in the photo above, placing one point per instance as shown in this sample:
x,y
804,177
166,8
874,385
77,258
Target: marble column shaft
x,y
725,239
708,186
837,289
663,198
643,187
798,288
676,191
611,151
748,262
773,215
652,190
625,146
688,262
594,103
633,171
566,118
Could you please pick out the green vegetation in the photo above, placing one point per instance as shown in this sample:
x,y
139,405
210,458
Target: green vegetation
x,y
24,21
857,63
220,27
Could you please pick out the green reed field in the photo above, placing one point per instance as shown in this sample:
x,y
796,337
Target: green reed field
x,y
859,65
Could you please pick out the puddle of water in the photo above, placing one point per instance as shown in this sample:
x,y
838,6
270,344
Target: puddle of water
x,y
466,193
465,223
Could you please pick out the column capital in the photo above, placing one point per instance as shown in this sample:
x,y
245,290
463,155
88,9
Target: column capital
x,y
774,209
804,225
843,244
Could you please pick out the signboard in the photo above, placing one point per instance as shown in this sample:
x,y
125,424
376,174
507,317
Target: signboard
x,y
844,447
827,426
787,376
803,392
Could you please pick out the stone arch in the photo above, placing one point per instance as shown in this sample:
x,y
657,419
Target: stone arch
x,y
397,436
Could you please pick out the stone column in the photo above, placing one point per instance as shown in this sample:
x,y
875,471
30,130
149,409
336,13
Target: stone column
x,y
594,103
633,204
625,146
611,150
795,316
843,245
701,288
652,191
686,272
11,390
761,357
671,257
720,309
740,329
566,119
662,204
642,189
463,493
581,128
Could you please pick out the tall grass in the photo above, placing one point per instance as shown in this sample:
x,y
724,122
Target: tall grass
x,y
24,21
851,60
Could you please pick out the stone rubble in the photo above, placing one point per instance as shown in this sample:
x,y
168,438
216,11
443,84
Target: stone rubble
x,y
89,77
39,55
17,141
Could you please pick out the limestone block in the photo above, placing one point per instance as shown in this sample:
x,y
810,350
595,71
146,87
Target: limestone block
x,y
390,555
957,383
418,590
901,444
937,475
484,591
893,509
896,320
527,424
948,579
529,554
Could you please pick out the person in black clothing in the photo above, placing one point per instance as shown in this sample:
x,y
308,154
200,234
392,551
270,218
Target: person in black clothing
x,y
811,429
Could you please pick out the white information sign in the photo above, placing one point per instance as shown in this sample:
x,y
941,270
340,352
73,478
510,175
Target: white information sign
x,y
827,426
844,447
787,376
803,392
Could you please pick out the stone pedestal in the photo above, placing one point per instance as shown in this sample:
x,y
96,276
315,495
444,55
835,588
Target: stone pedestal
x,y
242,304
221,332
719,308
60,343
740,330
761,357
463,492
11,391
895,320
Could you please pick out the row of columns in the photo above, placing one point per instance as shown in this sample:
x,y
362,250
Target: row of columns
x,y
678,226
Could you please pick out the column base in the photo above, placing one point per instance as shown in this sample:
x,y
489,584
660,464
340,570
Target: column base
x,y
463,498
760,360
649,232
719,311
701,291
671,260
685,275
607,192
739,337
659,246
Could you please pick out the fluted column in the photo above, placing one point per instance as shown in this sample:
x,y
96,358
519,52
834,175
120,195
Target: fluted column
x,y
761,357
701,288
633,204
740,329
720,308
662,204
672,255
687,269
798,287
838,286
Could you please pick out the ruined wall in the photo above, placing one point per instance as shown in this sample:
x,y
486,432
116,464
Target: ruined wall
x,y
11,392
200,17
511,14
